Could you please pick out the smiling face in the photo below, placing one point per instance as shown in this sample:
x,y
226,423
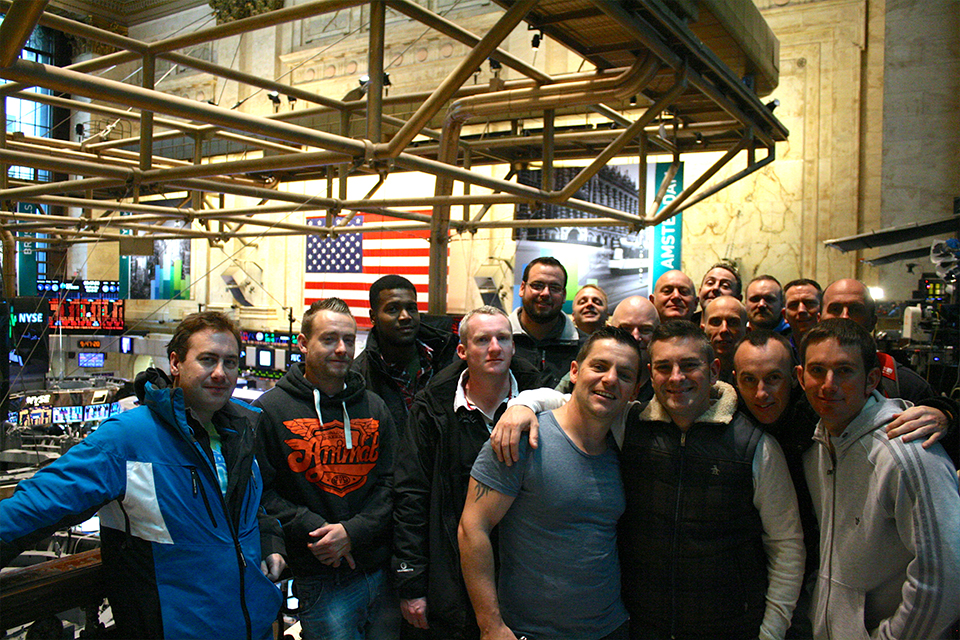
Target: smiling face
x,y
836,382
208,372
674,296
764,304
396,319
801,309
725,322
589,309
764,379
682,377
718,282
329,350
543,294
488,345
606,380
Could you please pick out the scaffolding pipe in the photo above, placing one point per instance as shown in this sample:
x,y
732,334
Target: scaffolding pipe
x,y
17,25
464,70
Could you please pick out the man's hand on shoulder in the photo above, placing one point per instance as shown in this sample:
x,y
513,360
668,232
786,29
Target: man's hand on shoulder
x,y
332,545
414,611
918,422
506,435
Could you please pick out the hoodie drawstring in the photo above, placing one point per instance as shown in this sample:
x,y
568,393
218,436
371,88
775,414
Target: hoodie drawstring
x,y
347,434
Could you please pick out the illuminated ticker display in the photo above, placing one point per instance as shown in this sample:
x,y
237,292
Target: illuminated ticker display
x,y
87,315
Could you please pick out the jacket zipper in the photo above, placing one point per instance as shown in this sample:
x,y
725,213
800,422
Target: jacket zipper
x,y
676,521
241,561
832,472
198,488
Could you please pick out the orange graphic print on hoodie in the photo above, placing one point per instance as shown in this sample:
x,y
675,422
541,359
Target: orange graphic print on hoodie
x,y
322,455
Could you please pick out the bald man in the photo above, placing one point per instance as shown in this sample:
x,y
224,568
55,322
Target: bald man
x,y
674,296
637,315
725,323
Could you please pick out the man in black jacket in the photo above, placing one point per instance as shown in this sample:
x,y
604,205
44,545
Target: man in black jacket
x,y
401,354
326,446
449,422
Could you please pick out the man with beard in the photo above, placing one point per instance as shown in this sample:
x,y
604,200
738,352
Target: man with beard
x,y
542,333
725,323
674,296
327,447
764,302
402,353
589,309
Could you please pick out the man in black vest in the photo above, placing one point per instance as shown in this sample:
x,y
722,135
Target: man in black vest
x,y
710,542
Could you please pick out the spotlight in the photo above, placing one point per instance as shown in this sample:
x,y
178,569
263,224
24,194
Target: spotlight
x,y
364,80
79,129
495,65
773,104
275,99
292,100
537,38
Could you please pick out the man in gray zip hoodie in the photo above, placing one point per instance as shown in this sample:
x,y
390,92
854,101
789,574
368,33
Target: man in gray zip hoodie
x,y
326,447
888,509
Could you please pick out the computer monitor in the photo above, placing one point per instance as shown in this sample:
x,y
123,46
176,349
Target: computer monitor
x,y
91,360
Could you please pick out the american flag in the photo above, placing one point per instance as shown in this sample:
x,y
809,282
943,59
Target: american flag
x,y
346,266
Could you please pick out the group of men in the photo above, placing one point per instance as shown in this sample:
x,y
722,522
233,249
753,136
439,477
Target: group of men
x,y
654,493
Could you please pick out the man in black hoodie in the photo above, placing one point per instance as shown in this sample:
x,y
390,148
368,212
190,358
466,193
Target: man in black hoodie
x,y
401,354
326,448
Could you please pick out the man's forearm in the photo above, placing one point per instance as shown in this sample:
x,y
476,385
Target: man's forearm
x,y
476,560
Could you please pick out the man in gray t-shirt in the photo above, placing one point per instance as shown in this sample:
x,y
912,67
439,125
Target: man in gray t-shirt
x,y
558,510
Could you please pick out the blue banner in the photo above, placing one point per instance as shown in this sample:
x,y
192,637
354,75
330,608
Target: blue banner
x,y
668,235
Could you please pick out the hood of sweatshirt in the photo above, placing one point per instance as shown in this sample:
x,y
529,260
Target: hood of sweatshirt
x,y
296,384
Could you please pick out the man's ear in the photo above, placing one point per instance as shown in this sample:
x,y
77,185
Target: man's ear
x,y
573,372
373,316
302,342
461,351
873,380
174,365
798,378
714,371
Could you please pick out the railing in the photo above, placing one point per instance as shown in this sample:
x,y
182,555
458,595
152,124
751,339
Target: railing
x,y
44,590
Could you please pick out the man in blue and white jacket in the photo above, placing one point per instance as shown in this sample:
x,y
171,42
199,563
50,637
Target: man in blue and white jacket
x,y
178,492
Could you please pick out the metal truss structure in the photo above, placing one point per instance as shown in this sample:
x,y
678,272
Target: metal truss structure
x,y
657,86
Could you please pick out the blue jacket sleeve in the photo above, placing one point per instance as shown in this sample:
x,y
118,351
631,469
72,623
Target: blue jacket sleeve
x,y
65,493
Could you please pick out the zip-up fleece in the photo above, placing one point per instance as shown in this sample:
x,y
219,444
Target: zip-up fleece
x,y
889,513
328,459
553,354
182,560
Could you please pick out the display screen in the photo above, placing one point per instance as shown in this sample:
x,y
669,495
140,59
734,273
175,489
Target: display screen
x,y
106,315
91,359
295,356
265,358
126,344
96,412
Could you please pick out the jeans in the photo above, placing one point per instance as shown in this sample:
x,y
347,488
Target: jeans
x,y
348,606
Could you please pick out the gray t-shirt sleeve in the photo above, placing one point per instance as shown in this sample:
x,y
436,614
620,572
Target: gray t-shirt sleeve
x,y
498,476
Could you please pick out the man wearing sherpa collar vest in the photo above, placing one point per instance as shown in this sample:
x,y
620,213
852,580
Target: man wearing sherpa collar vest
x,y
326,446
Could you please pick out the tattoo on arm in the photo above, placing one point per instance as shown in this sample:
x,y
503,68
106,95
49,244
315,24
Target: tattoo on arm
x,y
481,491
